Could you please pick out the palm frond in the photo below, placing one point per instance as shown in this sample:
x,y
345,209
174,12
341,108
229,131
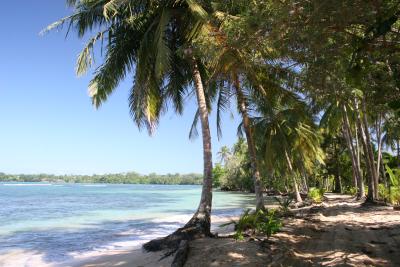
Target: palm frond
x,y
193,133
222,106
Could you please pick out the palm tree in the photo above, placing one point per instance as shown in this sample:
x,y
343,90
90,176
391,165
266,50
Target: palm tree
x,y
391,137
335,119
224,153
154,40
287,135
239,72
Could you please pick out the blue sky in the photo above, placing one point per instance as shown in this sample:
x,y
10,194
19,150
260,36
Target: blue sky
x,y
47,122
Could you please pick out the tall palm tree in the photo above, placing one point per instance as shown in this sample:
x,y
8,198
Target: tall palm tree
x,y
238,71
154,41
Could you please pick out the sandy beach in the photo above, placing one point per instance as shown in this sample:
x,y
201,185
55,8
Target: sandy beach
x,y
344,233
139,257
129,253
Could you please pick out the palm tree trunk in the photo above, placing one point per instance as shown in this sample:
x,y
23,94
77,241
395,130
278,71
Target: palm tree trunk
x,y
379,141
370,152
354,161
296,187
357,147
199,225
398,152
383,172
338,186
364,142
204,210
304,179
338,183
250,143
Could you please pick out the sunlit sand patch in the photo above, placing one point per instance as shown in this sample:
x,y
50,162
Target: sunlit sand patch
x,y
235,255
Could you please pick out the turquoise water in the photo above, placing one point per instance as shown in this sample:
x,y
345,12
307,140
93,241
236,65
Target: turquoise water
x,y
58,220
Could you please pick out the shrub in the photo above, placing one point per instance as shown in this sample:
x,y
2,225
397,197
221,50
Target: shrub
x,y
255,223
350,190
383,192
394,196
284,204
393,193
316,194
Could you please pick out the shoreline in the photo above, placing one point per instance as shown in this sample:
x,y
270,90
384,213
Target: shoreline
x,y
136,255
98,220
121,253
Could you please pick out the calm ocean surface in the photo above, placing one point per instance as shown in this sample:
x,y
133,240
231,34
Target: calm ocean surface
x,y
60,220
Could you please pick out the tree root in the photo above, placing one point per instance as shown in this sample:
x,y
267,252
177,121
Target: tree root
x,y
172,241
181,254
178,242
370,202
197,227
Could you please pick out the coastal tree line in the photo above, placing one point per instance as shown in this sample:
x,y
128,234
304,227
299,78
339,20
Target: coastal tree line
x,y
315,83
119,178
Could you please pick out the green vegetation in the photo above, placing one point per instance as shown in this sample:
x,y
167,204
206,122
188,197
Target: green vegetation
x,y
235,173
255,223
391,192
121,178
316,194
316,85
284,204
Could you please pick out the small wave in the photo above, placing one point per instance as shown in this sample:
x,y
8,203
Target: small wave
x,y
95,185
27,184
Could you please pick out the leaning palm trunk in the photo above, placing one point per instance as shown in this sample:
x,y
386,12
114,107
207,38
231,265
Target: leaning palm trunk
x,y
379,140
304,179
250,143
203,213
370,152
199,224
296,187
354,161
368,163
357,147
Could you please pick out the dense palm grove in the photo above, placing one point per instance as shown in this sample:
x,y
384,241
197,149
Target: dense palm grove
x,y
334,174
316,85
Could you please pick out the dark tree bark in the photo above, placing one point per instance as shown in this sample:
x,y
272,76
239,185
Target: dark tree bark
x,y
398,152
338,184
181,254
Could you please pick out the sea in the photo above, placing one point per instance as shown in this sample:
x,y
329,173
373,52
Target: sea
x,y
59,222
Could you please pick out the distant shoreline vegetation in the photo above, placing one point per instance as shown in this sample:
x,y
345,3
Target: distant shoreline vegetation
x,y
119,178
